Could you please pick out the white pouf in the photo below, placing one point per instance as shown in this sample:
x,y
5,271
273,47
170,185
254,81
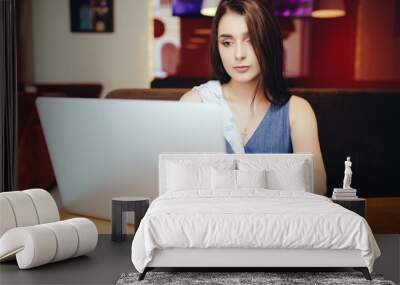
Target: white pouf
x,y
41,244
31,232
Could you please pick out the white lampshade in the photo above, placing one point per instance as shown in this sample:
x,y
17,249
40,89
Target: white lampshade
x,y
209,7
328,9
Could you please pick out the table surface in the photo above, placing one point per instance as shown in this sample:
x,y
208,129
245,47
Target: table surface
x,y
104,265
358,199
130,199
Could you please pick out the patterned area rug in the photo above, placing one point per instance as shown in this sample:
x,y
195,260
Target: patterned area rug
x,y
269,278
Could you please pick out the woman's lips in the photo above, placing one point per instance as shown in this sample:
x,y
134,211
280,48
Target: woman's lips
x,y
241,69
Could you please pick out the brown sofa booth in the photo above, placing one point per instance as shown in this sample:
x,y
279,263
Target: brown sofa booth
x,y
351,123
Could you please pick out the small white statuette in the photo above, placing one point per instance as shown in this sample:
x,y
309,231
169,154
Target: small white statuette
x,y
347,174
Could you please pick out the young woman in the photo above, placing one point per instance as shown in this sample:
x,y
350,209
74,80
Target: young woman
x,y
260,115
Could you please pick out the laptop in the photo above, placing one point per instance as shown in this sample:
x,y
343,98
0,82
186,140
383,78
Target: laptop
x,y
105,148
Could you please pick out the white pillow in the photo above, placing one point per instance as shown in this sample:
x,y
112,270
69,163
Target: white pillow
x,y
237,179
281,174
223,179
251,178
193,173
293,179
181,177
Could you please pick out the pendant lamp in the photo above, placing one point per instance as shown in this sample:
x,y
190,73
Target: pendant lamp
x,y
209,7
328,9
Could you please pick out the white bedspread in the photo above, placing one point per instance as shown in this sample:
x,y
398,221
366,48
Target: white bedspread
x,y
251,218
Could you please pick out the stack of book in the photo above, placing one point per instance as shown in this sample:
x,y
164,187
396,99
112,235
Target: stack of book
x,y
344,194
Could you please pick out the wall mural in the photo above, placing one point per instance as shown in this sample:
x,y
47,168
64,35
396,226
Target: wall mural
x,y
91,16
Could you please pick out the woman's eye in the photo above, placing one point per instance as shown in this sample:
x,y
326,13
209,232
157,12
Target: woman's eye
x,y
226,44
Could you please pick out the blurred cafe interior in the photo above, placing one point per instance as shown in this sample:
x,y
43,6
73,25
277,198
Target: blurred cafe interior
x,y
342,56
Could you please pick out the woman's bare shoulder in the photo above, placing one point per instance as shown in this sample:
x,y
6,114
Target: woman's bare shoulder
x,y
298,102
299,108
191,96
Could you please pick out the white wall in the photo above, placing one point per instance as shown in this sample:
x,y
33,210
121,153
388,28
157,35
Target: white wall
x,y
122,59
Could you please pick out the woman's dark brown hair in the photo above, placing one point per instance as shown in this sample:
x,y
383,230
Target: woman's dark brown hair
x,y
266,38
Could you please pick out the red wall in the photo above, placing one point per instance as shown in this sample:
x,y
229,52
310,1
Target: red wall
x,y
333,49
194,62
332,54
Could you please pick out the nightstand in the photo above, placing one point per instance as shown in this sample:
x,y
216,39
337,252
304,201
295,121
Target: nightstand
x,y
355,205
120,205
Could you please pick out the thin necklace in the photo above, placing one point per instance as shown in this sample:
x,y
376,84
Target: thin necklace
x,y
252,107
244,133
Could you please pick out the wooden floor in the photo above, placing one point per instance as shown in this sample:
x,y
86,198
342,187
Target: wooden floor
x,y
103,226
383,215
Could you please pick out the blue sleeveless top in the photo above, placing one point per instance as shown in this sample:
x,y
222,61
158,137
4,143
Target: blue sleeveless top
x,y
271,136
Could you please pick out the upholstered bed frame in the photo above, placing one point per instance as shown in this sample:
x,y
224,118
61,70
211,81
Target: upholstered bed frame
x,y
249,258
256,258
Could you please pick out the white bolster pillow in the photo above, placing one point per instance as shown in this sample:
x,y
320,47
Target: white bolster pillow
x,y
87,235
24,211
67,240
7,219
33,246
40,244
46,207
26,208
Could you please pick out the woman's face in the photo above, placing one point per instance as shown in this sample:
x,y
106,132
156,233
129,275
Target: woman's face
x,y
236,51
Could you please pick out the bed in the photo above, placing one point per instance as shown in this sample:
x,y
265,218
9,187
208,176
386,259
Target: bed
x,y
242,211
